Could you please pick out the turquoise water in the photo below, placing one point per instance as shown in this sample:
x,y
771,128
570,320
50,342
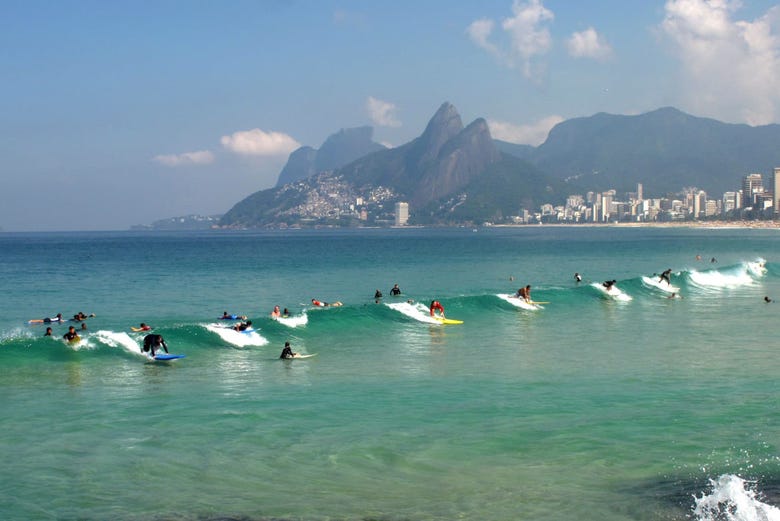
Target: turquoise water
x,y
594,407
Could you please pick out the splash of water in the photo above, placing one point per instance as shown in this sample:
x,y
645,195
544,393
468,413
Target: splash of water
x,y
731,500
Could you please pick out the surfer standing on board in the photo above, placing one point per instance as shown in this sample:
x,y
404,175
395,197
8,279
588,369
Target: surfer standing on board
x,y
436,305
152,343
665,276
608,284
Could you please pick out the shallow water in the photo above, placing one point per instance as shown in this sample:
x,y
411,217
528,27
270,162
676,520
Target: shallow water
x,y
590,407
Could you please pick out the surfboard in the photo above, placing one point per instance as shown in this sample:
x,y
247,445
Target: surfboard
x,y
299,356
165,356
447,320
659,284
138,329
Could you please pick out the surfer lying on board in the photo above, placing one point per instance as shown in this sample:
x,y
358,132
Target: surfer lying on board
x,y
152,343
608,284
436,305
665,276
320,304
142,327
524,293
287,352
80,316
225,316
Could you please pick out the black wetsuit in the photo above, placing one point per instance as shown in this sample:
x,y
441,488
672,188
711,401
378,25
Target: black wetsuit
x,y
151,342
70,336
287,352
665,276
395,291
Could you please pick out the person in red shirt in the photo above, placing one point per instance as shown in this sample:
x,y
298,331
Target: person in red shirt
x,y
436,305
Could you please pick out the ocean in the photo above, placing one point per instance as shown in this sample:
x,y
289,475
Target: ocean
x,y
632,406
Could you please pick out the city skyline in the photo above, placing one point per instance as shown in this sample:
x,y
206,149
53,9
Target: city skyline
x,y
119,114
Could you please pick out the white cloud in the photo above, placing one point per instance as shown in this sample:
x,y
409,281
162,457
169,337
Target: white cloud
x,y
533,134
201,157
730,68
589,44
526,31
479,31
257,142
382,113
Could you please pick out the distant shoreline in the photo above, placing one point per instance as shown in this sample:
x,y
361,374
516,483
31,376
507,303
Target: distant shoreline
x,y
775,225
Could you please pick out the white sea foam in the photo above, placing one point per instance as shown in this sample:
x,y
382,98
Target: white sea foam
x,y
416,311
731,500
614,292
742,275
295,321
120,339
518,302
238,338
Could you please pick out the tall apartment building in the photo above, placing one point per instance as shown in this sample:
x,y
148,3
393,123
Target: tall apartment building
x,y
752,185
401,214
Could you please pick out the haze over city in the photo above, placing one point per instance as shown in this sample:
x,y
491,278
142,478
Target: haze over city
x,y
120,114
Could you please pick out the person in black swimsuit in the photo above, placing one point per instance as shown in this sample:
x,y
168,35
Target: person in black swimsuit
x,y
152,343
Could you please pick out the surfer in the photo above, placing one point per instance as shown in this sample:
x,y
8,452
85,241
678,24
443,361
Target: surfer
x,y
80,316
243,326
665,276
285,313
377,294
436,305
287,352
767,299
48,332
49,320
577,277
142,327
524,293
71,335
83,326
152,343
276,313
395,291
319,304
225,316
608,284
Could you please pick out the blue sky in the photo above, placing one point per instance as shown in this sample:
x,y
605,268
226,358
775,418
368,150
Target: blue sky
x,y
121,113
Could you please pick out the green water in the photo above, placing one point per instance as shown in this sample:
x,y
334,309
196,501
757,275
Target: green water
x,y
590,407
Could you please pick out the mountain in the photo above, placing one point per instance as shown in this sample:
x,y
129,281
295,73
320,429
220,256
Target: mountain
x,y
448,170
339,149
665,150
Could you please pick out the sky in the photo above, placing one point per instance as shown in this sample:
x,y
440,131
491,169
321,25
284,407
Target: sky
x,y
121,113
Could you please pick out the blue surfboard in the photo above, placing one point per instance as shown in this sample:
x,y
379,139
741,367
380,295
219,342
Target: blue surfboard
x,y
165,356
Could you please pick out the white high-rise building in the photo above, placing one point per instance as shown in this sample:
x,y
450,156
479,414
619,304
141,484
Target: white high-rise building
x,y
401,214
